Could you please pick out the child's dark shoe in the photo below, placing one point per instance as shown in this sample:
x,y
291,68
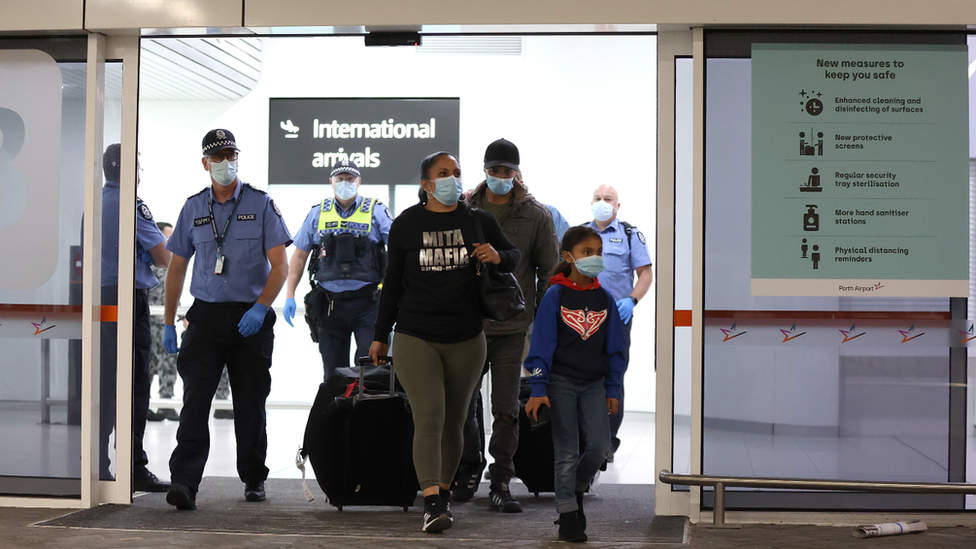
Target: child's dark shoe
x,y
569,527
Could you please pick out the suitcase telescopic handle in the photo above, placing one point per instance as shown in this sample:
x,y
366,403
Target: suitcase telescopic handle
x,y
364,361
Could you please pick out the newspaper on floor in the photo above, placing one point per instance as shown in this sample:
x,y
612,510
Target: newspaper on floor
x,y
889,529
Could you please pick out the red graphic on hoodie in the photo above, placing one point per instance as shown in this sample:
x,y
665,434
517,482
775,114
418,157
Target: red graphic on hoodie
x,y
586,323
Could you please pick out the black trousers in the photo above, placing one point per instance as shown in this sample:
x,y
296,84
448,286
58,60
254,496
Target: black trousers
x,y
211,341
141,380
616,420
342,315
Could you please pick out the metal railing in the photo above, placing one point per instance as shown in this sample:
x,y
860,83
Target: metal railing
x,y
721,483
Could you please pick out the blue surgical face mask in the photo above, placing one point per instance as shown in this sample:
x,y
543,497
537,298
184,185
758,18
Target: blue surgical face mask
x,y
602,210
345,190
500,186
448,190
590,266
224,172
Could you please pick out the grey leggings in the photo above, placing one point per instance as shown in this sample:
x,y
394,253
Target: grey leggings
x,y
439,379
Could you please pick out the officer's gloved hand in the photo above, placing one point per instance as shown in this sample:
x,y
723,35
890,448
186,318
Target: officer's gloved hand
x,y
252,320
145,256
626,308
290,309
169,339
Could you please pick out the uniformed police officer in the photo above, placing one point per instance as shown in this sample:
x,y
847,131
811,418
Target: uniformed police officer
x,y
150,250
349,234
624,253
239,239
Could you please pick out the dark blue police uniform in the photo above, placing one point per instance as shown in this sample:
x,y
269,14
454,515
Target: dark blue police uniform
x,y
213,338
148,236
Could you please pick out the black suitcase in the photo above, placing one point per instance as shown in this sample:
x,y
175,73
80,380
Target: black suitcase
x,y
534,459
359,438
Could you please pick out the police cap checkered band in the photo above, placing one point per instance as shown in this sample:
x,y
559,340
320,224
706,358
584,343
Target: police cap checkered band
x,y
218,140
347,166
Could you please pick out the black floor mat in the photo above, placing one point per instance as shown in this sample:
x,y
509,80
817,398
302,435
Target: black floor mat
x,y
617,513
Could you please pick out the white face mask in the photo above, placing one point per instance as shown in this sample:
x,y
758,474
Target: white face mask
x,y
224,172
345,190
602,210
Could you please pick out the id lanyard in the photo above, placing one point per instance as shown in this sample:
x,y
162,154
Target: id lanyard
x,y
219,266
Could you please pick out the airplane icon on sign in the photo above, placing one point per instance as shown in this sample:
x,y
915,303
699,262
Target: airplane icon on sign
x,y
290,128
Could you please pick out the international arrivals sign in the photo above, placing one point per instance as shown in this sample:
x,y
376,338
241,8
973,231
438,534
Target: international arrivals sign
x,y
860,170
386,138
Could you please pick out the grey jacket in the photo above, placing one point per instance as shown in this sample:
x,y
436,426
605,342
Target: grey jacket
x,y
527,224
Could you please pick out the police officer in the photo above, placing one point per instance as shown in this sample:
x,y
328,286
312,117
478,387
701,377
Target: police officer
x,y
349,234
239,239
624,253
150,250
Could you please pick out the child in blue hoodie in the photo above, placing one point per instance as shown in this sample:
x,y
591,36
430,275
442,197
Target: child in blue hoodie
x,y
576,362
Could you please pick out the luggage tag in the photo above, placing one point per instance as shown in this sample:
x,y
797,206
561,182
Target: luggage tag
x,y
300,463
219,266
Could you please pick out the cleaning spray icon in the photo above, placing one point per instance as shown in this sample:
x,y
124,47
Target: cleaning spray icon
x,y
811,219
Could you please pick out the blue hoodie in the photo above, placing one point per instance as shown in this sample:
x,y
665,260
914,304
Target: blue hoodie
x,y
578,334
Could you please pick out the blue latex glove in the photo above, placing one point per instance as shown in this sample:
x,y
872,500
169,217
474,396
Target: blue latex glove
x,y
626,308
290,308
252,320
169,339
144,255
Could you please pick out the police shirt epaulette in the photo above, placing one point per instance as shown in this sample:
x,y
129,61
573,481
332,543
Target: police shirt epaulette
x,y
203,190
249,186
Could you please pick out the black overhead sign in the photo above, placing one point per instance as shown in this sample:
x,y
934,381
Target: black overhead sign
x,y
386,138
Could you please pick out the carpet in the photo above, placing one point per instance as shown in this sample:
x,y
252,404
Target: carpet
x,y
617,513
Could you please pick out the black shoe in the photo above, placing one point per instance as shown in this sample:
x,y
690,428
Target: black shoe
x,y
182,497
223,414
436,518
153,416
569,528
254,491
145,481
167,413
579,510
503,500
467,485
446,503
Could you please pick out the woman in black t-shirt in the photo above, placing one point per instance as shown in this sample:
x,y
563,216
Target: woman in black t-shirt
x,y
431,293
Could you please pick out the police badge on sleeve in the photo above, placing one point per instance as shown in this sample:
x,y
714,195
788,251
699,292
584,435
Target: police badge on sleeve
x,y
144,212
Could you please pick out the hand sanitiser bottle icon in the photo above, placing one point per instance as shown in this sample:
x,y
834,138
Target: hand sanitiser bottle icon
x,y
811,219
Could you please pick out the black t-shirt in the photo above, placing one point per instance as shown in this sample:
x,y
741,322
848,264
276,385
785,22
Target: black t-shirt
x,y
431,290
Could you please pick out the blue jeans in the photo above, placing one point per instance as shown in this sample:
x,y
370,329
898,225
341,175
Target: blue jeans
x,y
577,406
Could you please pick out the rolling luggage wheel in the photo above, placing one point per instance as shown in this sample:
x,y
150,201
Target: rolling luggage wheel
x,y
406,508
339,507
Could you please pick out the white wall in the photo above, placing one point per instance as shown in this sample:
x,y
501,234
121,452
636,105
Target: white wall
x,y
581,110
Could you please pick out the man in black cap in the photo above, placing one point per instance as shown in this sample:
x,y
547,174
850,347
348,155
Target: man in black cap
x,y
239,239
348,234
528,224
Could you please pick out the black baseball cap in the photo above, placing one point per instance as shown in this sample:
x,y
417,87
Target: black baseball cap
x,y
345,166
502,153
218,140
